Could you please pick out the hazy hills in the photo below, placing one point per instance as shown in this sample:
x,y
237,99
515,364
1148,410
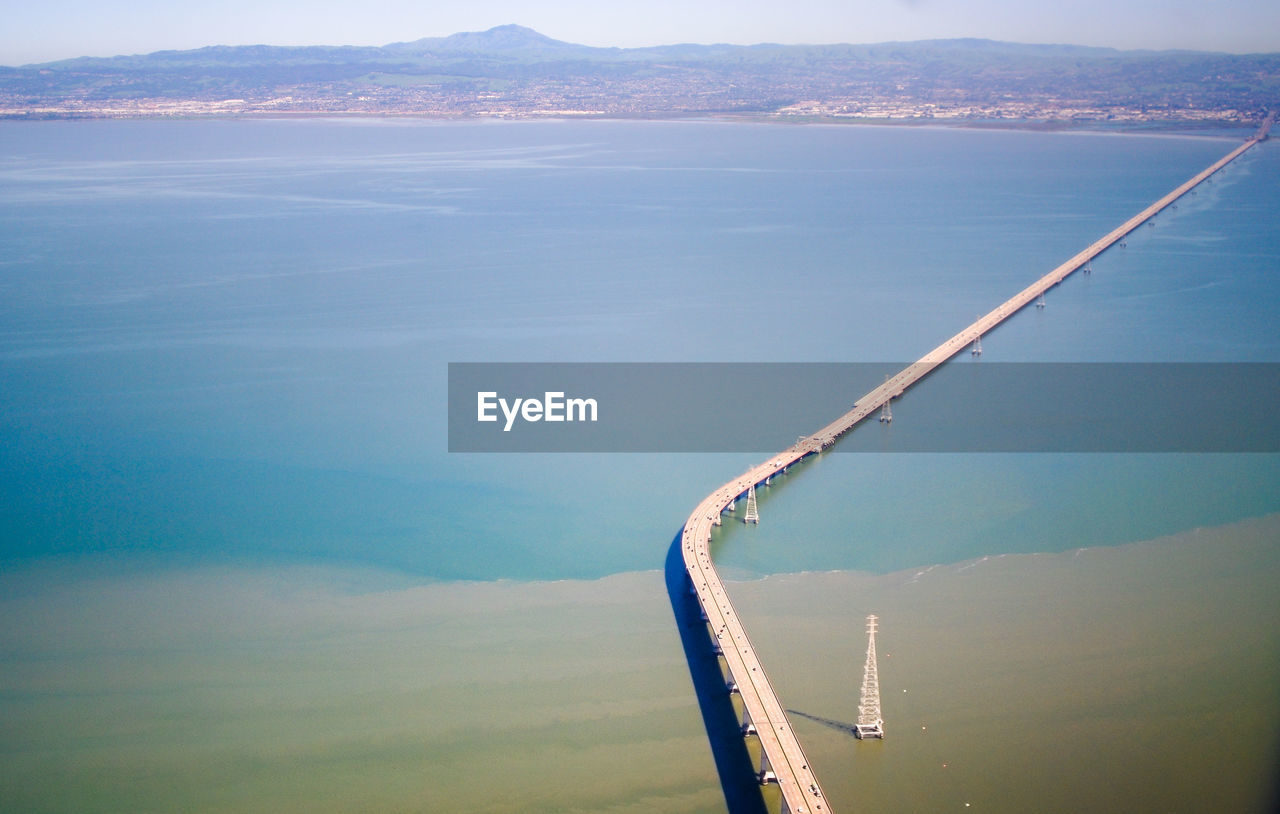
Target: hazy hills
x,y
515,71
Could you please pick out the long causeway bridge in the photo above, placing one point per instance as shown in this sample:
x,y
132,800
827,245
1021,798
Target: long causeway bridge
x,y
782,758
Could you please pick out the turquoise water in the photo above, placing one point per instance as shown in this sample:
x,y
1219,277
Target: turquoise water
x,y
226,341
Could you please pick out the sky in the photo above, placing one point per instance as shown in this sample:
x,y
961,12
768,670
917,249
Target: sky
x,y
60,29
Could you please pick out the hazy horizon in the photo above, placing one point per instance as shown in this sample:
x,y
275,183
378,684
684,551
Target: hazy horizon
x,y
68,29
1044,44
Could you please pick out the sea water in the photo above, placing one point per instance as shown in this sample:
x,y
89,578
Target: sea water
x,y
241,572
227,340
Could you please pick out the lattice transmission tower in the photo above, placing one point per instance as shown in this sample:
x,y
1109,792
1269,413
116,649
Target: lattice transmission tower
x,y
870,724
753,510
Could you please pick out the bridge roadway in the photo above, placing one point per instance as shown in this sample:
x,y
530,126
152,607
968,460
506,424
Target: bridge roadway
x,y
782,753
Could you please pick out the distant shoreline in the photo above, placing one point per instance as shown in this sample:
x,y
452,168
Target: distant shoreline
x,y
515,72
1199,127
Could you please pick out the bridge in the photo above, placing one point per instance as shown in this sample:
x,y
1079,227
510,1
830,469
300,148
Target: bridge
x,y
782,759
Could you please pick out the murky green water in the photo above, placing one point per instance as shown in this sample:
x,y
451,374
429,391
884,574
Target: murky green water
x,y
1115,679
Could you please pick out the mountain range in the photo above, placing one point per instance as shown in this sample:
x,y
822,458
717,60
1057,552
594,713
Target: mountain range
x,y
515,71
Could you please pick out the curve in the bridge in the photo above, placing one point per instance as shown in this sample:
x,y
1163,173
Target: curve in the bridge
x,y
785,759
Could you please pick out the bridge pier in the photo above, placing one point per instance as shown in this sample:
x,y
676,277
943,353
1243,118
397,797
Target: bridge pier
x,y
766,774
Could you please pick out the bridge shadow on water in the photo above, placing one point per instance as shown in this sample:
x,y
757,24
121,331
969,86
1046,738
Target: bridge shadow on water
x,y
728,747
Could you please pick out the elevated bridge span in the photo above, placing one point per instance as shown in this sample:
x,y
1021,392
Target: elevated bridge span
x,y
782,758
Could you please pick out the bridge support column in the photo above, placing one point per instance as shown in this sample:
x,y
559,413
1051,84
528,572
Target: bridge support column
x,y
766,774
